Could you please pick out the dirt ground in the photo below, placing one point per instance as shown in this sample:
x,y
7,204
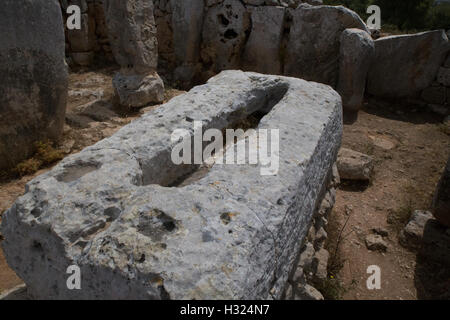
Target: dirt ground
x,y
410,146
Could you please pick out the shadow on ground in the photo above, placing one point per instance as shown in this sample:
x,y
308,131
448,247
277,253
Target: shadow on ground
x,y
432,273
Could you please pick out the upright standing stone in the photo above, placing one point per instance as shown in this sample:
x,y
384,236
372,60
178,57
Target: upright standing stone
x,y
33,86
356,55
224,35
187,23
262,51
405,65
312,51
132,34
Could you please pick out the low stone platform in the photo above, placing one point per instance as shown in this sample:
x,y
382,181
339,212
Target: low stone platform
x,y
116,210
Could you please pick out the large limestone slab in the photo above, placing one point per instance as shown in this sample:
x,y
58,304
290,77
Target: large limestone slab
x,y
357,50
232,234
33,85
441,202
312,52
405,65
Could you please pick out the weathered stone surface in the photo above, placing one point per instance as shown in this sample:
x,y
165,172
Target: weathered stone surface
x,y
132,34
356,54
428,237
83,40
135,238
187,23
262,51
353,165
313,47
418,56
224,35
136,90
441,203
412,235
33,86
133,37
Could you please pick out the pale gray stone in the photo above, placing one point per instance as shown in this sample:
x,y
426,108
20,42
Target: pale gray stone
x,y
353,165
233,234
312,52
441,201
132,34
418,56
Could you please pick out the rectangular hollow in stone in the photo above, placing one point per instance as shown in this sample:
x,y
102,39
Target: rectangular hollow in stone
x,y
233,234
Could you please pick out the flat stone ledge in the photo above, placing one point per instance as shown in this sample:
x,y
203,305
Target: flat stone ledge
x,y
232,234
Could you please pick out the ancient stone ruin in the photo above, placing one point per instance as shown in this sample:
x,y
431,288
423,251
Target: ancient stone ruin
x,y
140,226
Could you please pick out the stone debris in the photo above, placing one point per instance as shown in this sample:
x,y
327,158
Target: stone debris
x,y
318,29
375,242
353,165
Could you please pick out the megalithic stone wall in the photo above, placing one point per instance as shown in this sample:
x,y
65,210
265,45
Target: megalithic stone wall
x,y
233,233
33,77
